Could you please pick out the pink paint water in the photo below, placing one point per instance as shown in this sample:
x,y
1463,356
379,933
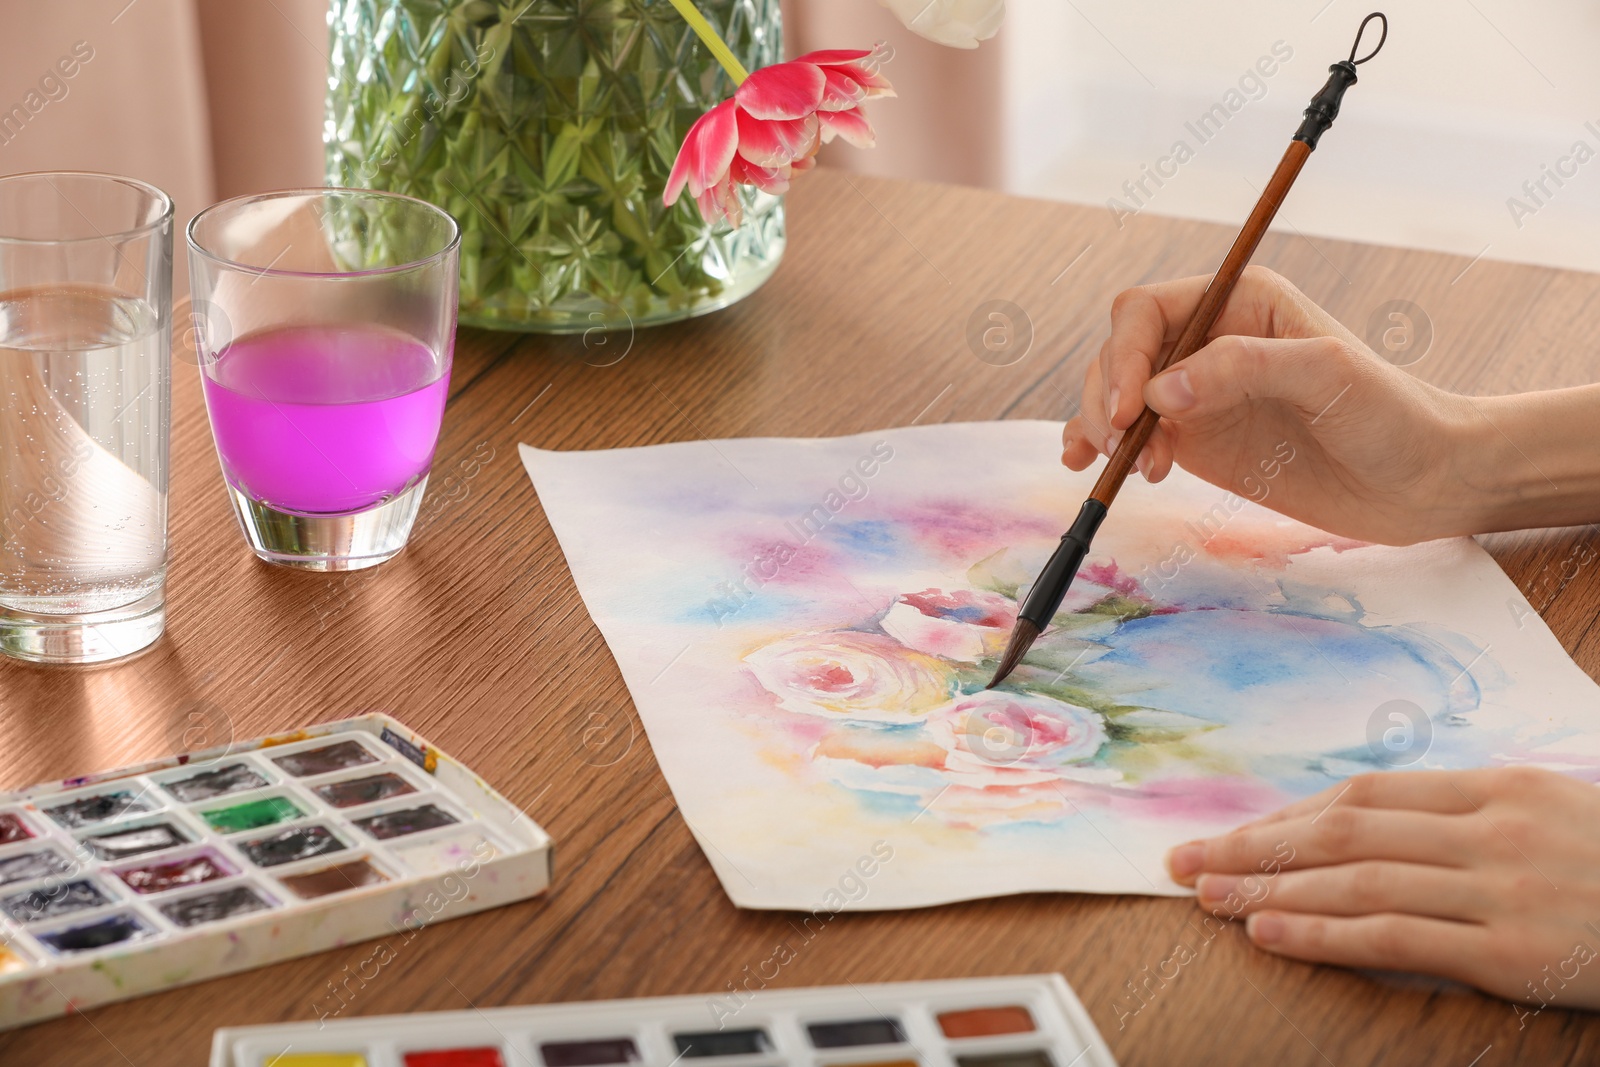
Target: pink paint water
x,y
326,419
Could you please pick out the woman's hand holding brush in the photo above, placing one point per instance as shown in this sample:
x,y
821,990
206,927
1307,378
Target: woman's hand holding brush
x,y
1379,454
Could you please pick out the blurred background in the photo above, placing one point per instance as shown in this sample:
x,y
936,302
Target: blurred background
x,y
1476,132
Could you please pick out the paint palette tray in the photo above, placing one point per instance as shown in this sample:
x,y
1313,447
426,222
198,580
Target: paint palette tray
x,y
195,866
1028,1021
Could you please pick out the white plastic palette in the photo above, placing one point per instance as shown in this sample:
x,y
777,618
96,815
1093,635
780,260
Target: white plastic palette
x,y
1027,1021
202,865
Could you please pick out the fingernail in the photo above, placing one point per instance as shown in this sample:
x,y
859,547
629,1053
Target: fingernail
x,y
1171,393
1112,442
1111,403
1185,860
1214,887
1146,460
1264,928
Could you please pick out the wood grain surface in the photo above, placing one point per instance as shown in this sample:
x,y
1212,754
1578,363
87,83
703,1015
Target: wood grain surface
x,y
476,637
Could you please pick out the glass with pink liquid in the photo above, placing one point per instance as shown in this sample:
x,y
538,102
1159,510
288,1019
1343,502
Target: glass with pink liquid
x,y
324,321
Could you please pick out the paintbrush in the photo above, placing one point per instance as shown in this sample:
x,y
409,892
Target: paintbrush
x,y
1044,598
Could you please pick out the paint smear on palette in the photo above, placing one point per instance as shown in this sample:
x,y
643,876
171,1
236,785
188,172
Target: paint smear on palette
x,y
288,846
10,962
375,787
176,874
27,866
252,814
89,810
235,778
214,906
461,851
334,757
456,1057
410,821
820,630
122,844
53,901
98,933
340,878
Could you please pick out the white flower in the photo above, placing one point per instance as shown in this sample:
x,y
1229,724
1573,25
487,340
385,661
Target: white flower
x,y
851,675
995,737
957,23
957,624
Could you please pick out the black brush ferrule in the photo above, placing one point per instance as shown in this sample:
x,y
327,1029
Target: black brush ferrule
x,y
1042,601
1324,107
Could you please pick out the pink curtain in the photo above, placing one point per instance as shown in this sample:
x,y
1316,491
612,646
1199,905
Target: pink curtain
x,y
205,98
945,124
214,98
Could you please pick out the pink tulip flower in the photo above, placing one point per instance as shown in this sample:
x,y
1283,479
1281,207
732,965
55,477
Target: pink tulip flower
x,y
772,127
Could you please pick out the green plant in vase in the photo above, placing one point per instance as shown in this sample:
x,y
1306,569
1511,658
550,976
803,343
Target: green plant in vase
x,y
549,129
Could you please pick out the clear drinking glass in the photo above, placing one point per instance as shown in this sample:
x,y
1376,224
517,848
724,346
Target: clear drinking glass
x,y
85,370
325,325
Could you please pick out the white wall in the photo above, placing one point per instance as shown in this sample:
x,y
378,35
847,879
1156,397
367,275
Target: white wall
x,y
1469,99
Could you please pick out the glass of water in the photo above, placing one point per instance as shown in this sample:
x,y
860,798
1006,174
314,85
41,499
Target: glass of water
x,y
85,335
325,324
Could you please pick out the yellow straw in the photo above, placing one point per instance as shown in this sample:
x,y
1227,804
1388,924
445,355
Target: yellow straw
x,y
712,40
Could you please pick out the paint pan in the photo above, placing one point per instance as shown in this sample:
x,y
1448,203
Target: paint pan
x,y
131,881
1027,1021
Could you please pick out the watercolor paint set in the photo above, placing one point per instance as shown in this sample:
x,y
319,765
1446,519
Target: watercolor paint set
x,y
195,866
1026,1021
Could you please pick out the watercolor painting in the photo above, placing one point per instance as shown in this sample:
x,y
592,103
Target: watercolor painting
x,y
807,625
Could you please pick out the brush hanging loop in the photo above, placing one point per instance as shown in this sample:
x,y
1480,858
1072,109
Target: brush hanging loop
x,y
1362,31
1324,106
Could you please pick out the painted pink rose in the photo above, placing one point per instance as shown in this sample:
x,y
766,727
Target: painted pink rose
x,y
1005,738
847,674
959,624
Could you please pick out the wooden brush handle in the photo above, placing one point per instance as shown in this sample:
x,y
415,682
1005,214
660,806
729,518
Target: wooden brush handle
x,y
1205,315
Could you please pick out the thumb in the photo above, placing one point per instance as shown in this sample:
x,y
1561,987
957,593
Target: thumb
x,y
1308,373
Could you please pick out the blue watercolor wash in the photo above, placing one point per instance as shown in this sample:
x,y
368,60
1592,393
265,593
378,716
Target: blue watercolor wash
x,y
968,613
766,606
1281,681
868,539
897,807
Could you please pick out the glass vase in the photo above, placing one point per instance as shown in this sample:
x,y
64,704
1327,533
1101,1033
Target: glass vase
x,y
548,129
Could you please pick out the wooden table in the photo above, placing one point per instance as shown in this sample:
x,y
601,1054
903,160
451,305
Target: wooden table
x,y
475,635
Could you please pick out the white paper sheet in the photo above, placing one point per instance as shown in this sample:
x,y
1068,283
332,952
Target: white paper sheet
x,y
806,627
